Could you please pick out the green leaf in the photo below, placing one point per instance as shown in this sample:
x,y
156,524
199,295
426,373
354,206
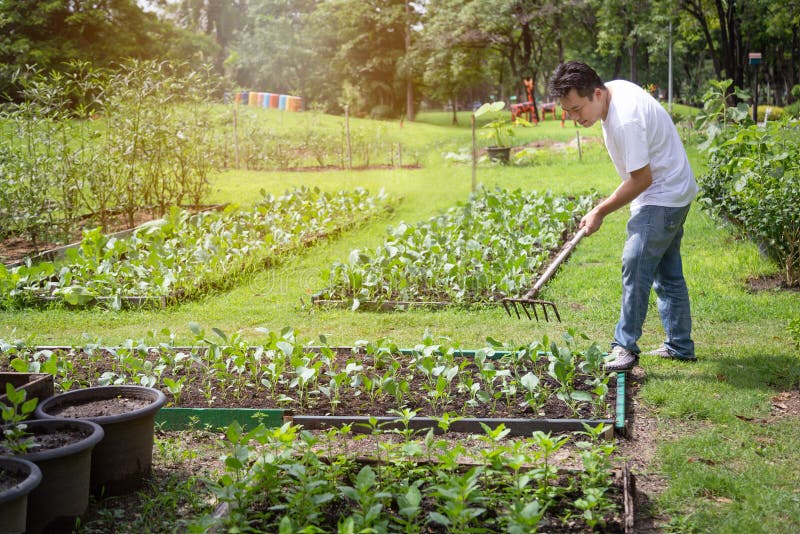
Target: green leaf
x,y
196,329
76,295
220,334
29,406
581,396
529,381
285,526
439,518
233,463
489,107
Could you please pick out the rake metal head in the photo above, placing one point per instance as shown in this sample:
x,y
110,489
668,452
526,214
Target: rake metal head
x,y
529,305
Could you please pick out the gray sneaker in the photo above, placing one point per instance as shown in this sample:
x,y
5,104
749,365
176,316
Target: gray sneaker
x,y
664,352
624,360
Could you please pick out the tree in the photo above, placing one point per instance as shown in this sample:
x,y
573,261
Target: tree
x,y
363,43
48,34
219,19
522,33
623,28
450,66
272,48
776,34
720,24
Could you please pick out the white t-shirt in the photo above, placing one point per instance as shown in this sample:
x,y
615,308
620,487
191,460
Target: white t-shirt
x,y
638,131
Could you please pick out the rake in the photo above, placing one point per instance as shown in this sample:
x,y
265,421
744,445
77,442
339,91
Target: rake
x,y
528,302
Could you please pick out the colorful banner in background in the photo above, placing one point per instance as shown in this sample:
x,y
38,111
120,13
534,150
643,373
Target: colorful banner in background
x,y
269,100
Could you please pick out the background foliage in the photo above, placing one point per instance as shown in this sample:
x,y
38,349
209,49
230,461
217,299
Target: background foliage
x,y
387,57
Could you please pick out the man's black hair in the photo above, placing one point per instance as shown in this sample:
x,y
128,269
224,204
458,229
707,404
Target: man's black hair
x,y
574,75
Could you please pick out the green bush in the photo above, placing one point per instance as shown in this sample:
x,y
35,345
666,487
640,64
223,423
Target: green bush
x,y
754,182
775,113
792,110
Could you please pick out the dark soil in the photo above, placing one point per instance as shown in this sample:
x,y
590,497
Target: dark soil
x,y
328,168
51,440
773,282
102,408
17,248
9,479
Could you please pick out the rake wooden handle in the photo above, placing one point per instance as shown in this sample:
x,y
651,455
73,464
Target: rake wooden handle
x,y
553,267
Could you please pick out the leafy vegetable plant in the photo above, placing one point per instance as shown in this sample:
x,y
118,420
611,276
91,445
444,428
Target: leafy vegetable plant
x,y
491,246
16,438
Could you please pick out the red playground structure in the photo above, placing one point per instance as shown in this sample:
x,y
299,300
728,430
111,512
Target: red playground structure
x,y
528,107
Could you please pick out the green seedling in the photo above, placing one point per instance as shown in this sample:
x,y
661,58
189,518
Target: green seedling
x,y
459,501
16,437
367,498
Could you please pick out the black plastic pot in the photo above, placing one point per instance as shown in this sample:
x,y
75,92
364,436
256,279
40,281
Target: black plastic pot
x,y
14,500
123,459
499,153
63,493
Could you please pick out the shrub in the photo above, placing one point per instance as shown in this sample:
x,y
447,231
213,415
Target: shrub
x,y
775,113
792,110
754,182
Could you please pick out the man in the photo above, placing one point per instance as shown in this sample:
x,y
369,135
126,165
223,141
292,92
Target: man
x,y
659,184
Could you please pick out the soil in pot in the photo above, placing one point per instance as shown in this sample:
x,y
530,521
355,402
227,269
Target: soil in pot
x,y
18,478
122,461
62,449
102,408
9,479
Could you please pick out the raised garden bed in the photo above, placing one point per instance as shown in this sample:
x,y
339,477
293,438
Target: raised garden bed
x,y
423,482
186,255
16,252
414,441
321,387
486,249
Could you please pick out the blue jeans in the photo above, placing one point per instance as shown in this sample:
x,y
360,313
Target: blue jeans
x,y
652,258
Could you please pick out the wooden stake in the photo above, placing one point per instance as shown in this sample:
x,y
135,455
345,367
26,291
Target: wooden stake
x,y
474,157
347,133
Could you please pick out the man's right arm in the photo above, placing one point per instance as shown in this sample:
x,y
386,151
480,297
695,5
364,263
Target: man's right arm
x,y
628,190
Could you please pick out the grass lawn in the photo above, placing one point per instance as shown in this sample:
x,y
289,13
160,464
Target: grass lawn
x,y
727,455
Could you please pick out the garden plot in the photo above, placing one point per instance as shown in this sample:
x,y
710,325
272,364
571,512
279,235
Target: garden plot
x,y
541,386
284,480
182,255
220,482
370,463
488,248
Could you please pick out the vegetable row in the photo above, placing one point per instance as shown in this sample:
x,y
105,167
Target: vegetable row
x,y
185,255
434,378
286,480
489,247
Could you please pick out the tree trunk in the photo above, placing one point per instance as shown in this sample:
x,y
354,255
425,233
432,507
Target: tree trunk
x,y
410,115
695,9
632,57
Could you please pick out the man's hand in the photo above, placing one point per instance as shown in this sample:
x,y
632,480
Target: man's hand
x,y
591,222
628,190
